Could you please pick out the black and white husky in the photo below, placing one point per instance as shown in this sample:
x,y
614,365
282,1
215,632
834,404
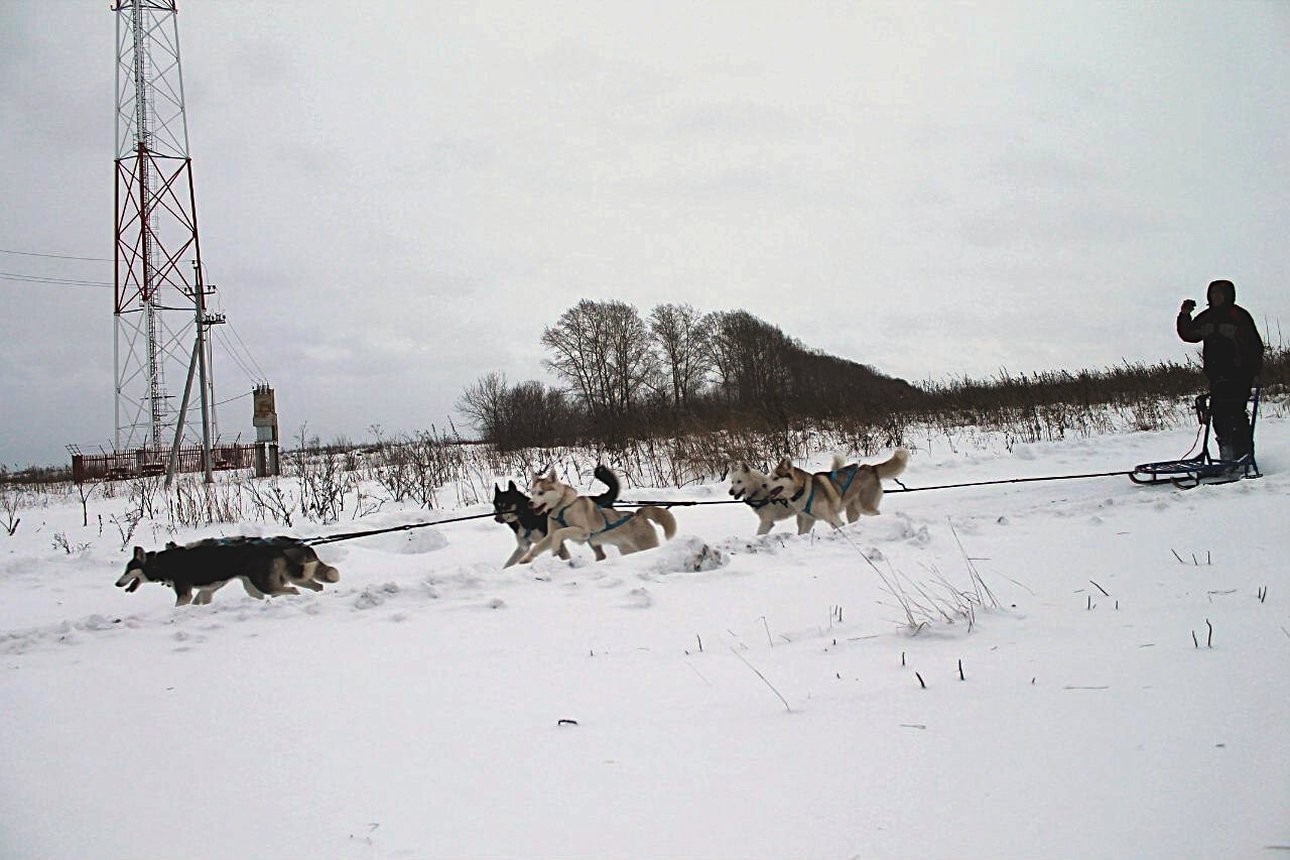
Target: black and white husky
x,y
266,566
512,507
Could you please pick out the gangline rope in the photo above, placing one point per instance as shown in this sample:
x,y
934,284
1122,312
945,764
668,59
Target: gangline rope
x,y
670,503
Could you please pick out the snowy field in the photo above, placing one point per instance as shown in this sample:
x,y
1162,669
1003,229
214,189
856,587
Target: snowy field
x,y
1128,697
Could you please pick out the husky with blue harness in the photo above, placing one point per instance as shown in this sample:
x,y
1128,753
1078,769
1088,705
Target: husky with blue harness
x,y
513,508
855,489
571,516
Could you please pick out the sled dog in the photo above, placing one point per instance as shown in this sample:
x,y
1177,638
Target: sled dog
x,y
751,486
266,566
574,517
860,484
512,507
854,489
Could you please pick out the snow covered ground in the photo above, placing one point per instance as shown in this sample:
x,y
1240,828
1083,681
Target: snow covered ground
x,y
1128,698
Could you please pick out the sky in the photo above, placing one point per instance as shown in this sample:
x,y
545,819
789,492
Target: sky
x,y
395,199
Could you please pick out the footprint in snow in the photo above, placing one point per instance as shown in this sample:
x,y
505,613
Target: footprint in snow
x,y
375,596
638,598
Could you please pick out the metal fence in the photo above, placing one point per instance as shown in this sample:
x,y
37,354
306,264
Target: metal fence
x,y
119,465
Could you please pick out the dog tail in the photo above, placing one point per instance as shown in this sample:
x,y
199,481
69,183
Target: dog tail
x,y
606,476
895,465
662,516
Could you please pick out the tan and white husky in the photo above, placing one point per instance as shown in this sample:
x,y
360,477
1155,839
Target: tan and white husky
x,y
854,489
571,516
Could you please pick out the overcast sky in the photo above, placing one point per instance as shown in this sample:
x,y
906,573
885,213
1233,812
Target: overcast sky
x,y
396,198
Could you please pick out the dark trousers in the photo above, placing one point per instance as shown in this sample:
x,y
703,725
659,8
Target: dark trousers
x,y
1227,401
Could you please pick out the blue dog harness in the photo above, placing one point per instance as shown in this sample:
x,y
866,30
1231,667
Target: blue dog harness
x,y
558,516
854,470
809,499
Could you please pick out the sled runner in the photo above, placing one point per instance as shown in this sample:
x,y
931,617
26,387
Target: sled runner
x,y
1192,471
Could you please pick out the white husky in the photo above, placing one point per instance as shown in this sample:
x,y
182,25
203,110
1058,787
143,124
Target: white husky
x,y
752,487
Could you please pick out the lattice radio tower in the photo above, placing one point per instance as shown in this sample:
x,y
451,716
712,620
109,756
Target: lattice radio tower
x,y
161,319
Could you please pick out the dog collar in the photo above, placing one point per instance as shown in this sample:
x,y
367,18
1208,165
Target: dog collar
x,y
809,499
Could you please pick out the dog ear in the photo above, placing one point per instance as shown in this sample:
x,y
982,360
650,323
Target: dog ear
x,y
785,464
139,554
510,485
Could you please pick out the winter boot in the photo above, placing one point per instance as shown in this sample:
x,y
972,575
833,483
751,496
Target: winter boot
x,y
1229,453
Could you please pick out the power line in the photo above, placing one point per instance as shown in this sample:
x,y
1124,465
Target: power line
x,y
236,359
232,399
247,351
64,282
55,256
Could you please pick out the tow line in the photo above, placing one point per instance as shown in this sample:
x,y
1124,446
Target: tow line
x,y
673,503
902,488
318,541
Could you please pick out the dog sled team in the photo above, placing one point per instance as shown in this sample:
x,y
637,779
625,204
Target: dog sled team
x,y
554,514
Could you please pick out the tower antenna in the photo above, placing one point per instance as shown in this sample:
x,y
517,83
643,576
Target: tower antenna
x,y
157,252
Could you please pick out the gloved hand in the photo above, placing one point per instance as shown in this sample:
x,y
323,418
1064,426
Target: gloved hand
x,y
1188,306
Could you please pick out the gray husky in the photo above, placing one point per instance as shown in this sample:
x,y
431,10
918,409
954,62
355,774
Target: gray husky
x,y
266,566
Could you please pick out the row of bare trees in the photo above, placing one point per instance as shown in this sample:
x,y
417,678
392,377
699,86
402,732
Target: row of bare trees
x,y
625,375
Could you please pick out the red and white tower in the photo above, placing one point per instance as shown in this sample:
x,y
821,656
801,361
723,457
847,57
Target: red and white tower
x,y
160,297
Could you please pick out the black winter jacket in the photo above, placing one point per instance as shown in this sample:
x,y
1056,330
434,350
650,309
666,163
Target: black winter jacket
x,y
1232,347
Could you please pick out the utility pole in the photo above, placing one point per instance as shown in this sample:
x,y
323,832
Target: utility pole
x,y
198,363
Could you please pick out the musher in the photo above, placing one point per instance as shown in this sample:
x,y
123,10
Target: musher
x,y
1231,357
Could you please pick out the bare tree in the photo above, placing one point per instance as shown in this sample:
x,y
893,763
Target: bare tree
x,y
536,415
602,350
750,358
513,416
681,340
486,403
